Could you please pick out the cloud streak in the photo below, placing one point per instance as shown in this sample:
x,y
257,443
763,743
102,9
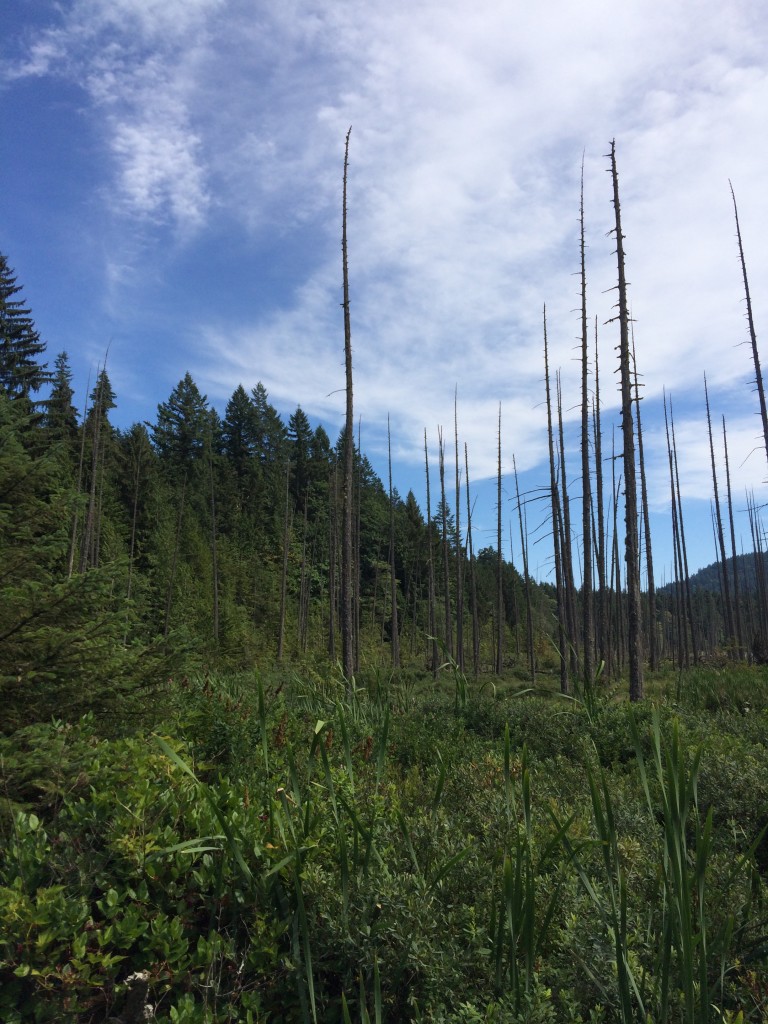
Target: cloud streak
x,y
468,135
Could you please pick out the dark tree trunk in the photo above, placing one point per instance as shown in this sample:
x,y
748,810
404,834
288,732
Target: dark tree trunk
x,y
562,637
459,558
347,620
448,616
526,581
634,608
736,594
472,576
499,566
392,569
587,616
752,333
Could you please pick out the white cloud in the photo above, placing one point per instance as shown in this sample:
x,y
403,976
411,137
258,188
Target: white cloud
x,y
468,132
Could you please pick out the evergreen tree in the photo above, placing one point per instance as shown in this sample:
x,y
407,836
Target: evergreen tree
x,y
270,435
21,373
64,643
239,432
300,436
60,416
181,425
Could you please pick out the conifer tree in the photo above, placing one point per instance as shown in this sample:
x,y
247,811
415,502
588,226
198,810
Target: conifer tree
x,y
21,372
60,416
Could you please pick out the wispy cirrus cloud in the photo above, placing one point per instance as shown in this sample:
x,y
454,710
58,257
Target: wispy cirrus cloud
x,y
468,134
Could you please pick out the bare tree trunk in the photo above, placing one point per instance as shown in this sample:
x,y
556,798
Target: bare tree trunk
x,y
653,655
683,546
751,324
174,559
333,541
499,566
459,559
602,609
284,575
472,576
430,572
392,571
562,637
80,470
444,539
214,553
86,550
728,608
347,622
736,595
634,608
587,617
132,550
303,602
566,548
526,580
682,632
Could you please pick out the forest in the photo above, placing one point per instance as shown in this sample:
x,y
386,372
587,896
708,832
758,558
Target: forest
x,y
280,744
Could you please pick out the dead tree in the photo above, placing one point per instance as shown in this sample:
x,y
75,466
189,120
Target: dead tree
x,y
736,594
347,619
631,552
392,573
719,526
587,617
751,325
430,572
653,654
562,633
499,565
459,559
472,575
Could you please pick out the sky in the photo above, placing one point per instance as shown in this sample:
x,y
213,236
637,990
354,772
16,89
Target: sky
x,y
170,192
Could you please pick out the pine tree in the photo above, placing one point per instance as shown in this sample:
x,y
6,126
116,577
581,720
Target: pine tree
x,y
21,372
181,425
60,416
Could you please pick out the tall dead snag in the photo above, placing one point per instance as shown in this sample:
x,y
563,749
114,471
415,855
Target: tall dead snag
x,y
562,636
333,541
430,572
736,595
444,537
499,566
728,609
459,559
653,652
751,324
284,574
587,626
683,546
526,578
472,575
392,572
631,547
602,603
347,492
566,548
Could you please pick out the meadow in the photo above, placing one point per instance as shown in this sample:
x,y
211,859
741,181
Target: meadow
x,y
294,847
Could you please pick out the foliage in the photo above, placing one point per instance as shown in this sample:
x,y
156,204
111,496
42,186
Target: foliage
x,y
282,852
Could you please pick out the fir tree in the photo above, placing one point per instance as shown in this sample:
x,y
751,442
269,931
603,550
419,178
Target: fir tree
x,y
60,416
21,373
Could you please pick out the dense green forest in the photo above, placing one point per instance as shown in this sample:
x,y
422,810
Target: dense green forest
x,y
204,819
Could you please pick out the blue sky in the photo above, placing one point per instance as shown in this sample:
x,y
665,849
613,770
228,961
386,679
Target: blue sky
x,y
170,187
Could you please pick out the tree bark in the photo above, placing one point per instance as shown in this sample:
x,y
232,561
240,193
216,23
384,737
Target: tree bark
x,y
631,553
347,622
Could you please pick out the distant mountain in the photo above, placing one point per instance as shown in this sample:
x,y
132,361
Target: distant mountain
x,y
708,578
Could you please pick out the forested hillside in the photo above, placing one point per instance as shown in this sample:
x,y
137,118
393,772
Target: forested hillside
x,y
204,819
